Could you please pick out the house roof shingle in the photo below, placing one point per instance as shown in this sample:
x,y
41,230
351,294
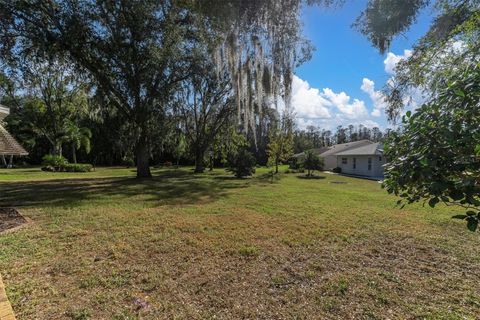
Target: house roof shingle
x,y
335,149
8,144
367,150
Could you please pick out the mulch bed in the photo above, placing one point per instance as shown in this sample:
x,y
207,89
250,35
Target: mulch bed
x,y
10,218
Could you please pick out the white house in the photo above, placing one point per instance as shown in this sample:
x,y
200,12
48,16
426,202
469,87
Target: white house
x,y
330,155
365,161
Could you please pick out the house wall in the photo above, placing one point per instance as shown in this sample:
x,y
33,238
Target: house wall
x,y
329,162
362,165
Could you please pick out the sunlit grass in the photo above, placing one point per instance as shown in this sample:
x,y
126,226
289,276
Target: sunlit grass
x,y
104,245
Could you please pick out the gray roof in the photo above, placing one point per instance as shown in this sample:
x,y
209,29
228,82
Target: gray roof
x,y
367,150
335,149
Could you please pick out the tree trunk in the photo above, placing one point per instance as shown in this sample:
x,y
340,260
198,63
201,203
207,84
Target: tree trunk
x,y
143,157
74,153
212,160
276,166
57,149
199,158
4,161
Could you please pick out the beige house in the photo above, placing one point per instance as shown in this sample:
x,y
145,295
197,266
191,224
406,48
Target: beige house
x,y
9,147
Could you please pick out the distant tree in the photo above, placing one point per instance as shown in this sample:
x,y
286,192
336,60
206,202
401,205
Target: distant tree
x,y
340,136
436,157
327,138
280,146
180,147
54,98
312,162
205,106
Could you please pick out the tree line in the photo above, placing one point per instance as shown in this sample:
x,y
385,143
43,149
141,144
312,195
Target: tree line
x,y
314,137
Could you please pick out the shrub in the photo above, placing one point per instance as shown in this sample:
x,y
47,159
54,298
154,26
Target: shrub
x,y
337,170
295,163
242,164
128,162
53,163
78,167
50,160
312,162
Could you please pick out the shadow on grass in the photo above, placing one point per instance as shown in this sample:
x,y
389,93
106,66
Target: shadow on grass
x,y
169,187
311,177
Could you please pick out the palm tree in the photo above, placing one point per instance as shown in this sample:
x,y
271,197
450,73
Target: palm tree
x,y
78,137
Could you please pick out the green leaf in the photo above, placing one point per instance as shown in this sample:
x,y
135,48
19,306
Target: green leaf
x,y
456,195
459,216
472,224
409,113
477,150
432,202
460,93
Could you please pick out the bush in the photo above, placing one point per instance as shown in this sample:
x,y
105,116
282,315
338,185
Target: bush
x,y
78,167
53,163
128,162
337,170
295,163
50,160
242,164
312,162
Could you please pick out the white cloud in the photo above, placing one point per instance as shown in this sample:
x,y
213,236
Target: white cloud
x,y
377,97
327,108
309,102
351,110
392,60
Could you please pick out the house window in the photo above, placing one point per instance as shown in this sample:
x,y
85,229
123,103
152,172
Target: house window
x,y
369,164
354,163
344,160
380,158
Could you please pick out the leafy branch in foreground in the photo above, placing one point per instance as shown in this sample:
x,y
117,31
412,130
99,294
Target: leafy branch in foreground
x,y
436,156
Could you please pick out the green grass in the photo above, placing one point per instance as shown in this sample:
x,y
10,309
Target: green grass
x,y
104,245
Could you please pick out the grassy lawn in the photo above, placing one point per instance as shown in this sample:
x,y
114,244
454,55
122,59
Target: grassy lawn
x,y
104,245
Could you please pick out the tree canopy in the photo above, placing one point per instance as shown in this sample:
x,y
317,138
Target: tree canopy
x,y
436,157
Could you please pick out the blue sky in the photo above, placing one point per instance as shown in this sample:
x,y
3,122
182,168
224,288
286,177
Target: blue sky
x,y
343,58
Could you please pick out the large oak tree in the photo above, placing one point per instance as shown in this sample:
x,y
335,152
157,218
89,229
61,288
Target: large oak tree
x,y
134,50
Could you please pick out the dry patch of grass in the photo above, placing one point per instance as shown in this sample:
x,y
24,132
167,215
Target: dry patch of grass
x,y
184,246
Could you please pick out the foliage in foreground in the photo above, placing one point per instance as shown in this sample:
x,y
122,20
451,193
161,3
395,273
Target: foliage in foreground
x,y
437,156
